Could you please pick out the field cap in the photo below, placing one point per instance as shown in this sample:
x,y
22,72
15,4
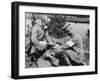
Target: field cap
x,y
66,26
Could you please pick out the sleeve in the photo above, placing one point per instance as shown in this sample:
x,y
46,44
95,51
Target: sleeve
x,y
49,40
78,43
78,47
34,36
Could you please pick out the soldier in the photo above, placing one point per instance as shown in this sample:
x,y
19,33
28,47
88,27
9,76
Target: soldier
x,y
38,40
74,43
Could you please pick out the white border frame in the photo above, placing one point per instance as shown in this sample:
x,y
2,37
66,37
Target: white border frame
x,y
53,70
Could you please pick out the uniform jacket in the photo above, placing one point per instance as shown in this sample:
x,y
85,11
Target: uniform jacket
x,y
36,36
76,53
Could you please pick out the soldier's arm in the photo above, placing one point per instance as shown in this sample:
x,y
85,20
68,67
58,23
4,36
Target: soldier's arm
x,y
34,37
78,47
78,43
35,40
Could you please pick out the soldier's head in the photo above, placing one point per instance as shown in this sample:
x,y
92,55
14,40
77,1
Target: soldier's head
x,y
68,29
38,21
45,21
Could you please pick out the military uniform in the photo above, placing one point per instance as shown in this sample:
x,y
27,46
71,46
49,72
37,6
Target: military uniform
x,y
75,53
38,35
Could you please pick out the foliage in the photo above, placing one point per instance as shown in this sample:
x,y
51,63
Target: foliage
x,y
57,22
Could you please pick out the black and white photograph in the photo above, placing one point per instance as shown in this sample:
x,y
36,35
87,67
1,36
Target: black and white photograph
x,y
50,40
55,40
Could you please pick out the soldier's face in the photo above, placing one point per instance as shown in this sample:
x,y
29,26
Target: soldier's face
x,y
38,21
43,24
69,30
